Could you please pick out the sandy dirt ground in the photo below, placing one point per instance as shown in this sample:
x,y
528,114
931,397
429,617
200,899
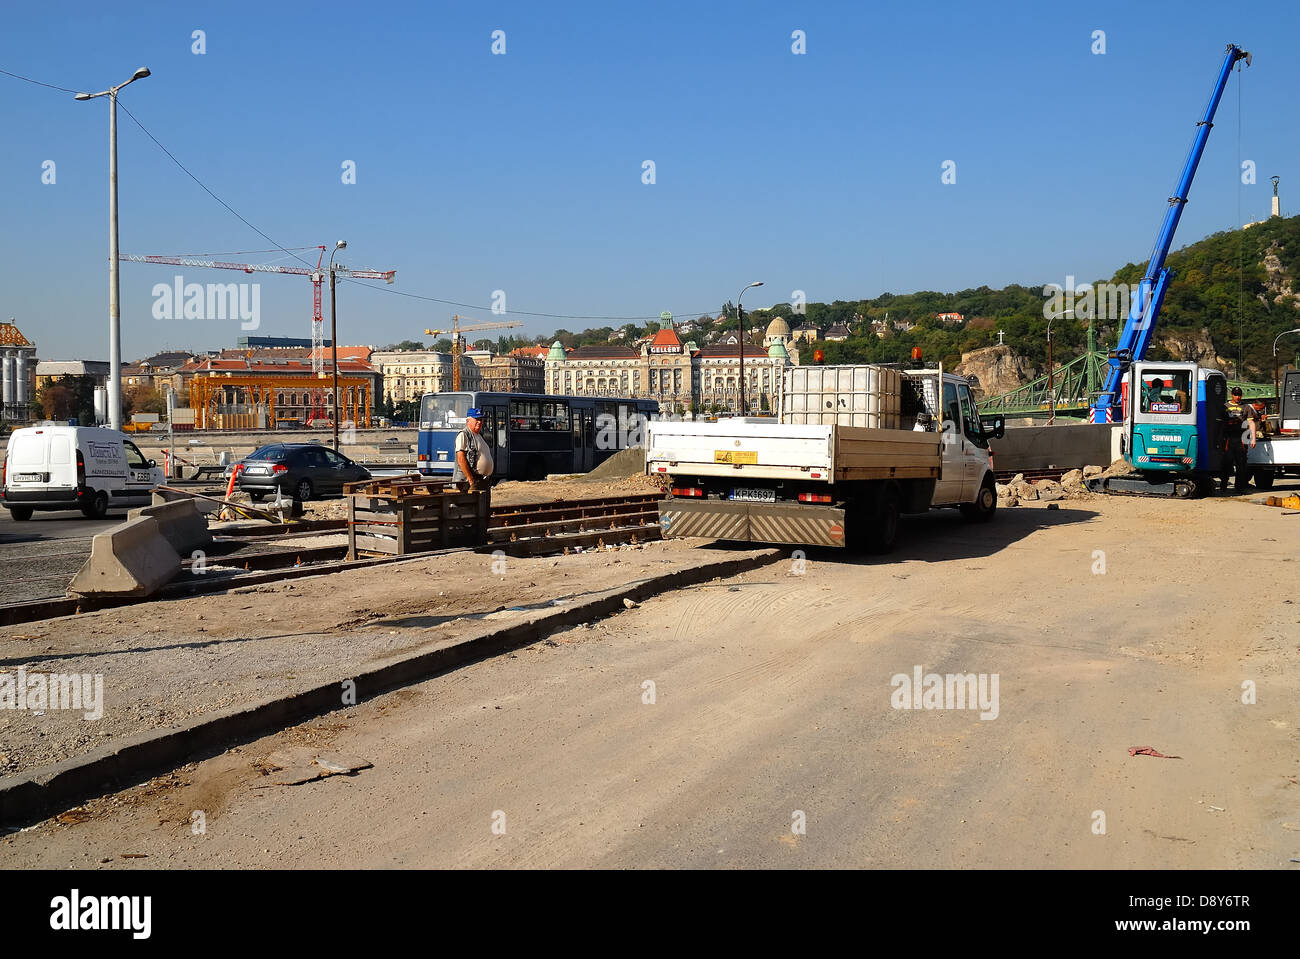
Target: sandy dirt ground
x,y
168,662
753,721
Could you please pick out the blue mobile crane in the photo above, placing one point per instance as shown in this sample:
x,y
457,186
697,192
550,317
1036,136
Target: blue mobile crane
x,y
1174,414
1108,407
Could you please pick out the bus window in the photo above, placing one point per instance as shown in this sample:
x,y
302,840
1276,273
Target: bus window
x,y
524,415
555,417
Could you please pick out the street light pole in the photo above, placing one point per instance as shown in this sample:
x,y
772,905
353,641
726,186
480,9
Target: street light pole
x,y
114,287
334,347
1051,379
1277,374
740,317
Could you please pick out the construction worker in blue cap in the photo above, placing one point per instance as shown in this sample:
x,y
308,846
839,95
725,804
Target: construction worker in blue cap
x,y
473,455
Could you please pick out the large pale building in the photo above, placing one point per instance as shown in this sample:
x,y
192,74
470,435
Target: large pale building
x,y
681,376
520,371
409,374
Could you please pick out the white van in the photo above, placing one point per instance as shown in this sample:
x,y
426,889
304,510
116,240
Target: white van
x,y
88,468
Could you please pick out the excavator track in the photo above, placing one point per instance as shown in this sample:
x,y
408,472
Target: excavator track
x,y
1182,488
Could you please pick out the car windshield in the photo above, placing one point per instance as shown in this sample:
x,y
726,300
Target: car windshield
x,y
273,454
442,411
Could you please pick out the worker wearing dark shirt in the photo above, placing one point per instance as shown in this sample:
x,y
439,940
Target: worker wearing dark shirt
x,y
1240,433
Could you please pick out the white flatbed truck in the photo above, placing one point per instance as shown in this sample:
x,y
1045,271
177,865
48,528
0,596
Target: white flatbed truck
x,y
827,484
1277,456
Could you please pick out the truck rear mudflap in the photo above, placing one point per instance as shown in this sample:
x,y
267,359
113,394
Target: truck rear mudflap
x,y
779,523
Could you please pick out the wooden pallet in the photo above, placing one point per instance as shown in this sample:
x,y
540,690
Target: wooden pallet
x,y
412,484
396,525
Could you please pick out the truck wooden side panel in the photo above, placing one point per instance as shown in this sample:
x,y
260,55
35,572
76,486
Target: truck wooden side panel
x,y
862,454
752,451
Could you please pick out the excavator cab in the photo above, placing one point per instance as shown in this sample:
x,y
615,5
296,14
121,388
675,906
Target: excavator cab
x,y
1173,424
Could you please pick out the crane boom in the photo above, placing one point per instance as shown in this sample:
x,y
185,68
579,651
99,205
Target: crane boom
x,y
387,275
455,331
1145,306
317,336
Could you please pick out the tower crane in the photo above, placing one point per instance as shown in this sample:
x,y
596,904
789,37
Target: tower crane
x,y
455,331
317,275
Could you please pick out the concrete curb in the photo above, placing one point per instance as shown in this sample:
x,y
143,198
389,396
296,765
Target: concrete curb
x,y
41,792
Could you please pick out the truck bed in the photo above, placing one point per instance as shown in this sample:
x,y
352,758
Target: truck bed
x,y
753,450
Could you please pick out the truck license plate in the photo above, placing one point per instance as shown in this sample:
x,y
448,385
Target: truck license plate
x,y
749,457
27,477
753,495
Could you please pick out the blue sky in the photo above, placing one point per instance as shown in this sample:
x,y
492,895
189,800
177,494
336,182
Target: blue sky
x,y
522,172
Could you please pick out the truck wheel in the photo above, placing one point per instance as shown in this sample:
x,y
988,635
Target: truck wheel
x,y
1263,478
985,505
97,506
882,532
20,513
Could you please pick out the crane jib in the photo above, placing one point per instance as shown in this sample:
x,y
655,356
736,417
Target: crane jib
x,y
1140,325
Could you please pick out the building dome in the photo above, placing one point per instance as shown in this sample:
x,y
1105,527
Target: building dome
x,y
778,327
777,351
556,353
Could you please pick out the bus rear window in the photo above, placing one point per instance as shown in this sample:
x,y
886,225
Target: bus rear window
x,y
443,411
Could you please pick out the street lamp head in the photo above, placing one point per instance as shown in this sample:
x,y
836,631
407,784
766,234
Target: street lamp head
x,y
140,74
83,96
757,283
341,245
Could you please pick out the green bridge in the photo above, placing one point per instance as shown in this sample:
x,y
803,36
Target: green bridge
x,y
1074,385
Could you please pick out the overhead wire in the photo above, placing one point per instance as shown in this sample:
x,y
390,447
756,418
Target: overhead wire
x,y
292,252
1241,238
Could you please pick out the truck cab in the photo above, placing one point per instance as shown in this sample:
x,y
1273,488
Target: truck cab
x,y
967,463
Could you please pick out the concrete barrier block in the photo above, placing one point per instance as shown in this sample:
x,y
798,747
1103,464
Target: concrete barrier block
x,y
182,524
1041,447
133,559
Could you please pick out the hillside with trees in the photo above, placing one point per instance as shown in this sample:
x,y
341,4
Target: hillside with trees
x,y
1233,292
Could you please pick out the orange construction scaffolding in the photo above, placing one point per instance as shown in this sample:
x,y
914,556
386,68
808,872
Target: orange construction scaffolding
x,y
211,397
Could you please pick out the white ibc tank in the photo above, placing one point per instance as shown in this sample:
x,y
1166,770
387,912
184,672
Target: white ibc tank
x,y
862,395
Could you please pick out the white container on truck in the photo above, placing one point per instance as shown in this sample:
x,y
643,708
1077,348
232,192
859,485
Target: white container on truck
x,y
826,483
867,396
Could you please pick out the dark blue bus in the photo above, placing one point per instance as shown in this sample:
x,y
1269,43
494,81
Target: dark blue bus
x,y
531,434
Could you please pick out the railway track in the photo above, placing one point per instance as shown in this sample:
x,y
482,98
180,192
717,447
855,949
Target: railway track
x,y
239,558
1054,473
538,528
